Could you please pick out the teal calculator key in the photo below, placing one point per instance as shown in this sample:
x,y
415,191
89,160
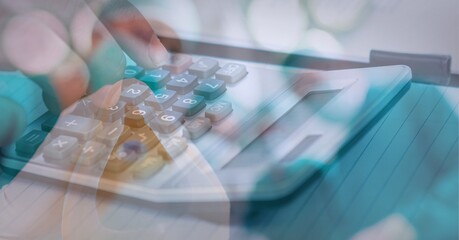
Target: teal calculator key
x,y
156,79
189,104
49,123
29,143
133,72
210,88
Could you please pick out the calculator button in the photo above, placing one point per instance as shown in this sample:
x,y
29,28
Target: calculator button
x,y
111,114
173,147
161,99
84,108
133,72
76,126
182,83
204,67
134,94
156,79
49,123
197,127
167,121
29,143
124,156
231,72
219,110
62,148
148,166
137,116
144,136
178,63
189,104
113,133
90,153
210,88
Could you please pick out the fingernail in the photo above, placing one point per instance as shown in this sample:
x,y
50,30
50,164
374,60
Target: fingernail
x,y
157,52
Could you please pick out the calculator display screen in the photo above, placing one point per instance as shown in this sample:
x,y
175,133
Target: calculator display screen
x,y
260,150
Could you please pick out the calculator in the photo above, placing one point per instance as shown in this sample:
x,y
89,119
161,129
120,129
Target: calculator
x,y
203,128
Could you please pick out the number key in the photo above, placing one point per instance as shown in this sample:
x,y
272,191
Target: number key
x,y
133,72
182,83
210,88
156,79
111,114
189,104
134,94
161,99
137,116
167,122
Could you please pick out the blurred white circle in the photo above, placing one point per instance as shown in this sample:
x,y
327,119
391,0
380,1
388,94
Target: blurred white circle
x,y
336,15
321,41
277,25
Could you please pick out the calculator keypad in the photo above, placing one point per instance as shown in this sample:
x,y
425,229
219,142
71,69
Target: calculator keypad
x,y
158,112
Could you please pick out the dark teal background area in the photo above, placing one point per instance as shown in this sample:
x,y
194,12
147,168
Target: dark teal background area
x,y
406,163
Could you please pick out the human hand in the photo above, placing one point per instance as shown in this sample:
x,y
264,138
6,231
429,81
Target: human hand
x,y
70,49
122,156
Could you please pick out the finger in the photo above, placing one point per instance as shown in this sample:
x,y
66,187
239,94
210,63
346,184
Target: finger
x,y
12,122
103,55
134,33
36,43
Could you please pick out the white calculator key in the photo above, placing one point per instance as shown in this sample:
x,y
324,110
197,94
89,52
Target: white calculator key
x,y
219,110
76,126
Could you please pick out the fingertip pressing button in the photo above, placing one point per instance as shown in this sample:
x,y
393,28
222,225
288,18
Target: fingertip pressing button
x,y
178,63
156,79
